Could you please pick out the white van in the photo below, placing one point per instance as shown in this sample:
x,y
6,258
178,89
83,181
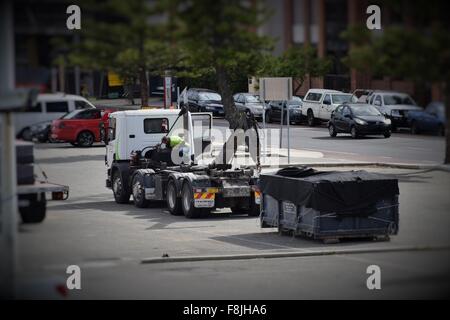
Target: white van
x,y
318,104
49,107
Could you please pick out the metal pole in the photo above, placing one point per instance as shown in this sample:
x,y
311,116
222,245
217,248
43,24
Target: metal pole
x,y
8,206
281,126
178,97
288,134
8,178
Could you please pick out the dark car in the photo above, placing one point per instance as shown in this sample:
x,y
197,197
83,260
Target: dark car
x,y
358,120
205,100
273,112
432,119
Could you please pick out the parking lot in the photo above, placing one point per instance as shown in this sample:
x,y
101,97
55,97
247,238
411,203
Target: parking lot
x,y
110,242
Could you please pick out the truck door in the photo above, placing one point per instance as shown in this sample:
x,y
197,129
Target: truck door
x,y
111,139
202,125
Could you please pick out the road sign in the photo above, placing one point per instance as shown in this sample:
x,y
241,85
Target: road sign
x,y
275,89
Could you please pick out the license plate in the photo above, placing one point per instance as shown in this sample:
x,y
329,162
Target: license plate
x,y
204,200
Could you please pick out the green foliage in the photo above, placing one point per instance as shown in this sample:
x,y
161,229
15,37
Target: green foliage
x,y
296,62
120,36
408,54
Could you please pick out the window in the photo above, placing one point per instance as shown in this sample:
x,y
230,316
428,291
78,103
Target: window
x,y
206,96
160,125
89,114
327,99
346,111
342,98
377,101
112,129
252,99
313,96
36,108
80,104
57,106
397,99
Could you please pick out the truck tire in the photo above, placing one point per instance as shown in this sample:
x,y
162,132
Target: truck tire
x,y
85,139
137,186
173,202
310,118
35,211
187,203
121,195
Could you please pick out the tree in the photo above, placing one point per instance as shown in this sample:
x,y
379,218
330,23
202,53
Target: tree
x,y
296,62
222,35
119,36
420,53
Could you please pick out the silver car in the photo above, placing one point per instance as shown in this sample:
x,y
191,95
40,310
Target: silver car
x,y
249,103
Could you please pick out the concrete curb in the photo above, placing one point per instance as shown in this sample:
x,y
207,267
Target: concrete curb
x,y
303,253
413,166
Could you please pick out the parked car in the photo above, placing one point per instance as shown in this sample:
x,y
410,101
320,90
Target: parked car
x,y
358,119
205,100
48,107
81,127
431,119
320,103
394,105
42,131
273,112
249,103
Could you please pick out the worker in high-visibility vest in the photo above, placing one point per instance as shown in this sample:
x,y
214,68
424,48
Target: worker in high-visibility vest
x,y
176,142
172,141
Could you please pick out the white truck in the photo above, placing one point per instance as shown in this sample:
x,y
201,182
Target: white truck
x,y
318,104
139,165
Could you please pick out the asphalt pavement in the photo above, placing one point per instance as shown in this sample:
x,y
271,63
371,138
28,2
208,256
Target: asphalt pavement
x,y
110,241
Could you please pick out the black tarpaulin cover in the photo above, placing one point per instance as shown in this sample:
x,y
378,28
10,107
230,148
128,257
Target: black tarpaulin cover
x,y
331,191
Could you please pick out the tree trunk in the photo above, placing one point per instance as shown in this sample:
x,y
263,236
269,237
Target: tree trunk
x,y
144,87
298,86
447,116
234,117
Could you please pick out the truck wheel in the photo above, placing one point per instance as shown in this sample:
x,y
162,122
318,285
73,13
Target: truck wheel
x,y
34,212
173,202
139,191
187,203
121,195
85,139
310,118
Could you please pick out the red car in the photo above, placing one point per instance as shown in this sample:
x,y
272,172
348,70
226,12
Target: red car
x,y
81,127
